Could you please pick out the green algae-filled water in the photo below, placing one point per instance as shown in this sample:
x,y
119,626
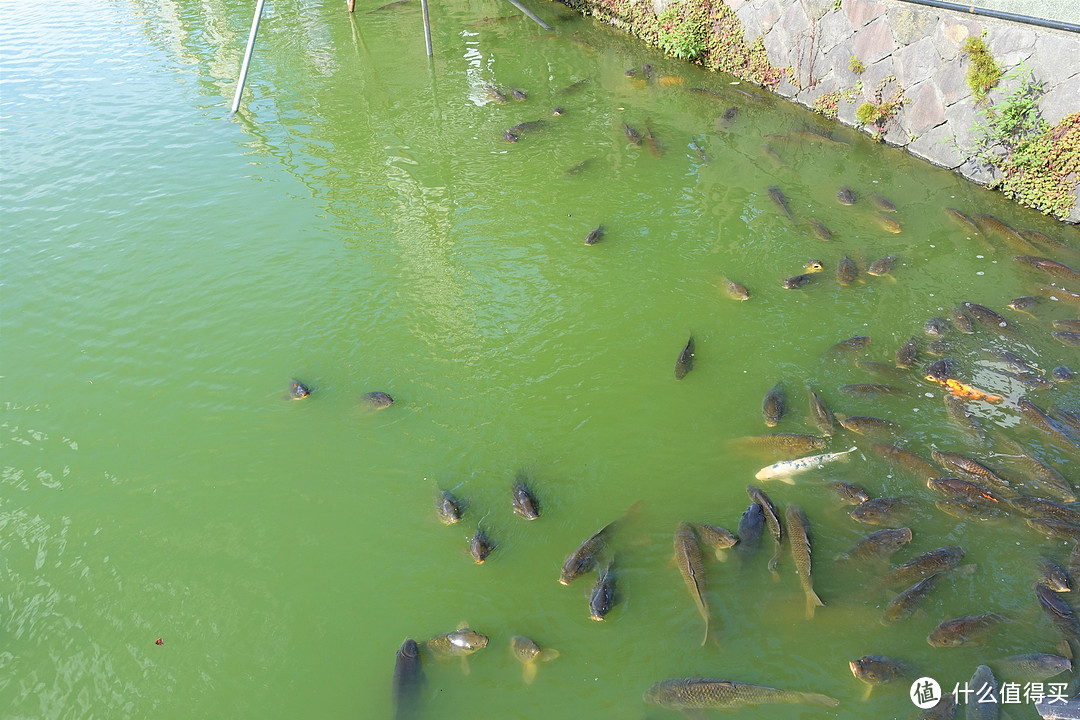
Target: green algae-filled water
x,y
361,225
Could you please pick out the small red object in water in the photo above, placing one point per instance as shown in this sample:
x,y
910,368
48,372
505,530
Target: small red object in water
x,y
159,641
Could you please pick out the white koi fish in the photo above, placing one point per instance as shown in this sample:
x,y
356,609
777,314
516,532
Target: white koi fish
x,y
783,471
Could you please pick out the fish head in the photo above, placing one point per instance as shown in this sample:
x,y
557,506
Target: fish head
x,y
599,605
948,641
468,640
874,669
524,648
661,693
862,669
813,265
574,567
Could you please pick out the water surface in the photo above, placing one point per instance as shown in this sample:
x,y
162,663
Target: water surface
x,y
362,225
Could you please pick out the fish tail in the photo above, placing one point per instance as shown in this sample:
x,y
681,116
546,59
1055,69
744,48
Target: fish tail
x,y
631,512
706,638
819,699
812,603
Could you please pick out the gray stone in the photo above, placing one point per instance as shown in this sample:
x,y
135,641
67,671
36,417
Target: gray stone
x,y
805,72
818,8
925,111
845,112
1012,44
895,135
776,49
750,17
950,34
839,63
792,41
793,25
1048,60
734,4
833,29
874,41
785,89
951,81
1063,99
936,146
909,24
961,118
1007,85
916,62
873,77
809,95
977,173
860,12
769,14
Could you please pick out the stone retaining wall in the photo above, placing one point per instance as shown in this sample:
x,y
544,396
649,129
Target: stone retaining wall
x,y
920,47
909,49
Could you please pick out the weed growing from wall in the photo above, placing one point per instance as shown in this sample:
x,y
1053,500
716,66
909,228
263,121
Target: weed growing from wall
x,y
1038,165
697,30
880,112
828,104
983,72
682,30
729,52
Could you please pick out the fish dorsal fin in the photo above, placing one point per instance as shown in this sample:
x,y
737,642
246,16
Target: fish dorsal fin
x,y
463,625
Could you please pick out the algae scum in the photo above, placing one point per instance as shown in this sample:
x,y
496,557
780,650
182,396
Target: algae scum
x,y
364,226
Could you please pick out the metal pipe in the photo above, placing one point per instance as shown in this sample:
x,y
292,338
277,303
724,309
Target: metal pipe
x,y
247,57
427,26
530,14
999,14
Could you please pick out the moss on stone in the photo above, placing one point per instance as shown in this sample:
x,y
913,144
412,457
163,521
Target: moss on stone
x,y
983,72
867,113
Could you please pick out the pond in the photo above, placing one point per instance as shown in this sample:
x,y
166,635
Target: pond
x,y
363,225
